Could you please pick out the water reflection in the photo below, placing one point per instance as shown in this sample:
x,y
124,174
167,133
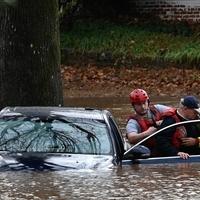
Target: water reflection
x,y
163,181
171,181
129,182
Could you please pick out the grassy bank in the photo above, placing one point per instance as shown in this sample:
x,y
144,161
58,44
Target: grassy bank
x,y
134,41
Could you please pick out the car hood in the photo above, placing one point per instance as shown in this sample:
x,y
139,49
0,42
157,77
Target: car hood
x,y
53,161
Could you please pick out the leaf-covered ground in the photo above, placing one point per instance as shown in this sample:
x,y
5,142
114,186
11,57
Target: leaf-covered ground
x,y
86,81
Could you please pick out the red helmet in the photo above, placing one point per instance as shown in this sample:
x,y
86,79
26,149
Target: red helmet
x,y
138,96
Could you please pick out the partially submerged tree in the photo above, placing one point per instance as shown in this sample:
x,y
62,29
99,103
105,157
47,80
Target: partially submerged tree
x,y
29,53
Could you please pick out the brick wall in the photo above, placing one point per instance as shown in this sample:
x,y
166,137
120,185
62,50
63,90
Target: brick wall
x,y
181,10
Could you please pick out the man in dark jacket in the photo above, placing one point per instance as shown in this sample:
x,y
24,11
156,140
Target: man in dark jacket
x,y
182,140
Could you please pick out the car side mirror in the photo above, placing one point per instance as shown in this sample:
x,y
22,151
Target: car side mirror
x,y
139,151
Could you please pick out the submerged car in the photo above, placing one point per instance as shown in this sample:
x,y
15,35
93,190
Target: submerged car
x,y
66,138
58,137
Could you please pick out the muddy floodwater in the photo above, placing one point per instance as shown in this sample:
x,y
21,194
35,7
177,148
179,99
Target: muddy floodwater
x,y
163,181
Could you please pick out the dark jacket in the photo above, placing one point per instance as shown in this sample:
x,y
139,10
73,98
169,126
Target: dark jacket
x,y
164,139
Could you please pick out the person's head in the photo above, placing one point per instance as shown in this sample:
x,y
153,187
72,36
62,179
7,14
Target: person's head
x,y
190,107
140,101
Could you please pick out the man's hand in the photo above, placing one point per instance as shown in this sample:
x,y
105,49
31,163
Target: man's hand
x,y
151,130
183,155
189,141
158,123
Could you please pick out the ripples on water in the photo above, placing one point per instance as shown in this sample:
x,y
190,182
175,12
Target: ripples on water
x,y
127,182
175,181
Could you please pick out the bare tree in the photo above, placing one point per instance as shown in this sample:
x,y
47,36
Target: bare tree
x,y
29,53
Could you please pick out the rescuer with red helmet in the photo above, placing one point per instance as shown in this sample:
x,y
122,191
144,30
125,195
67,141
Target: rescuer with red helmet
x,y
145,119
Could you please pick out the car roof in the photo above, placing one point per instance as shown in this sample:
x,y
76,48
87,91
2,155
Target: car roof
x,y
78,112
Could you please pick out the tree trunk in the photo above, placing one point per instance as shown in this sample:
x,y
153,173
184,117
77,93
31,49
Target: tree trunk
x,y
29,53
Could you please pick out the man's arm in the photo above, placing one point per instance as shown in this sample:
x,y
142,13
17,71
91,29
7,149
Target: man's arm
x,y
193,134
133,132
164,138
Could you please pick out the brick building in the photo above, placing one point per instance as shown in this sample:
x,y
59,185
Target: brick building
x,y
175,10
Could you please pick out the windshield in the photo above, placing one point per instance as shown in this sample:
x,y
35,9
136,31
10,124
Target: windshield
x,y
55,134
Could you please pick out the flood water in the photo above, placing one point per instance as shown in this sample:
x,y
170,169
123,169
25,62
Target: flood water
x,y
164,181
